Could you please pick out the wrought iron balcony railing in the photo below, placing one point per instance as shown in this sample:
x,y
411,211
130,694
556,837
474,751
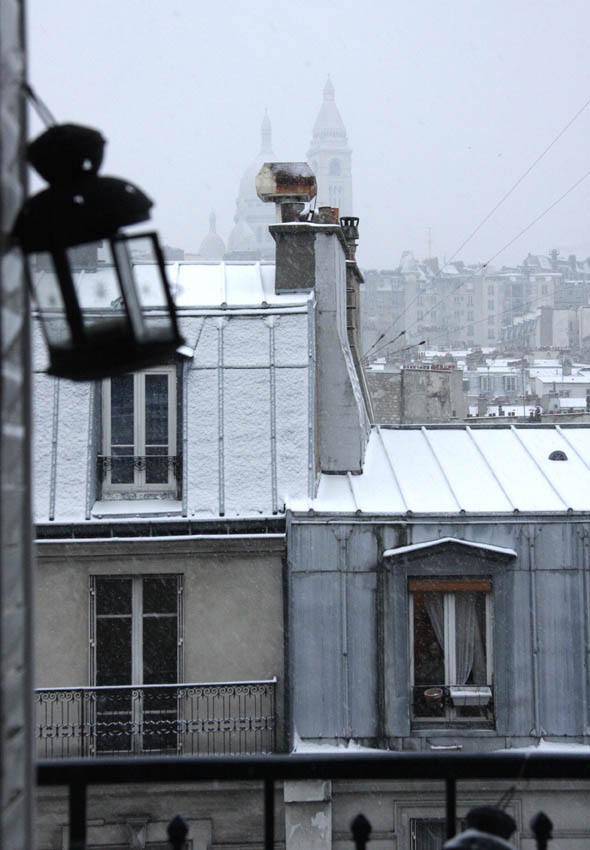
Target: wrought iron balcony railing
x,y
219,718
122,466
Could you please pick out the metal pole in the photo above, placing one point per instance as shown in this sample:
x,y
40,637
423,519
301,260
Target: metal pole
x,y
77,814
269,814
451,806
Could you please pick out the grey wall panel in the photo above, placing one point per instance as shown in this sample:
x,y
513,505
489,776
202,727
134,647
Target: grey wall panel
x,y
561,664
318,547
396,673
555,546
316,655
361,648
513,648
364,548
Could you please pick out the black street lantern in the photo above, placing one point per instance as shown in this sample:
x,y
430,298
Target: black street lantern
x,y
102,296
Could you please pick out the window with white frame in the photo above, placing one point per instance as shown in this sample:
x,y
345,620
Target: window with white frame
x,y
509,383
451,649
135,640
139,433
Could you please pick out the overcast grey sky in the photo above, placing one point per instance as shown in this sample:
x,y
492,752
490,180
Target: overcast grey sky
x,y
445,103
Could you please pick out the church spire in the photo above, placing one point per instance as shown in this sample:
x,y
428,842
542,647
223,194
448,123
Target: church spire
x,y
330,156
329,93
266,134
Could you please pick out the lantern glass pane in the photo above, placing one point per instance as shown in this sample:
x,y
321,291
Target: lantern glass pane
x,y
97,287
49,300
149,285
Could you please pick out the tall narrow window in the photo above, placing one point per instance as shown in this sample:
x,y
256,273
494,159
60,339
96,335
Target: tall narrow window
x,y
451,648
136,641
139,432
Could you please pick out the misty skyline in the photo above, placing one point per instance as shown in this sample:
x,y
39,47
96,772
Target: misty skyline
x,y
445,105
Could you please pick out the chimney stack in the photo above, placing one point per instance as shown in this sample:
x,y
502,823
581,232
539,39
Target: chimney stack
x,y
314,256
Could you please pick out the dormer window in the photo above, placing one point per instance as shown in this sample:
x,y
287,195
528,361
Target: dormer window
x,y
139,434
451,649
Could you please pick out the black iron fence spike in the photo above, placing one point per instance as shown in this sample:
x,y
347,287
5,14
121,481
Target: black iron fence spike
x,y
361,831
542,828
177,832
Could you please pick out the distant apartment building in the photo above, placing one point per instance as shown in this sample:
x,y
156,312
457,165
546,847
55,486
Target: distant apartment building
x,y
524,307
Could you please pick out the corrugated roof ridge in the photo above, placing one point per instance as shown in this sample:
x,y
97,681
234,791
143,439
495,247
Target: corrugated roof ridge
x,y
392,468
572,447
354,500
540,468
440,466
490,467
223,283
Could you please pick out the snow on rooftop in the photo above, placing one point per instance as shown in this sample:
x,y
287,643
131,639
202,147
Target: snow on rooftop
x,y
428,544
464,470
565,379
205,284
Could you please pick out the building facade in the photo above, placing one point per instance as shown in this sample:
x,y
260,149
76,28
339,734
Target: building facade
x,y
242,563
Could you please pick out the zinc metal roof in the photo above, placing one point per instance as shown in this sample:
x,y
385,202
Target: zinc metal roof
x,y
208,285
457,470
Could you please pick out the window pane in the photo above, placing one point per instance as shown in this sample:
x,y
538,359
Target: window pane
x,y
156,410
122,465
156,465
113,595
160,594
113,651
122,411
159,649
429,662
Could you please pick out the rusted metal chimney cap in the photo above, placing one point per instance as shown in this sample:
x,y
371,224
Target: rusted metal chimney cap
x,y
286,182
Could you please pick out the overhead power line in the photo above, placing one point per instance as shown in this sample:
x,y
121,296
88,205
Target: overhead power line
x,y
497,206
504,247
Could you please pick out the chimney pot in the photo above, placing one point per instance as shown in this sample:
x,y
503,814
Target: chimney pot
x,y
289,185
329,215
350,229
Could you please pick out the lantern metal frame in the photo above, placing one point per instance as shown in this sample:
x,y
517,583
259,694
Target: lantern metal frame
x,y
80,208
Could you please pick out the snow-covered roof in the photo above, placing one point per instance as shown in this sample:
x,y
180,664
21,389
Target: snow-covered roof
x,y
579,403
566,379
193,285
454,470
429,544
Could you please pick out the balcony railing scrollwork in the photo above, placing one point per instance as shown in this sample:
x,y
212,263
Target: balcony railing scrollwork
x,y
228,718
157,465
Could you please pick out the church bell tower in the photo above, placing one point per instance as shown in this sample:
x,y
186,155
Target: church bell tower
x,y
330,157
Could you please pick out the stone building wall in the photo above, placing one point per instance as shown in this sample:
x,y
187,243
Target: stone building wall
x,y
385,389
15,552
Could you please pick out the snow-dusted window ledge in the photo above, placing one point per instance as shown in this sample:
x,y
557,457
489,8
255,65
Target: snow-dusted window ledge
x,y
129,508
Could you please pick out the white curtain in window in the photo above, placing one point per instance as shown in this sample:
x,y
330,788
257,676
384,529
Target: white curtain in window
x,y
468,641
465,622
435,607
